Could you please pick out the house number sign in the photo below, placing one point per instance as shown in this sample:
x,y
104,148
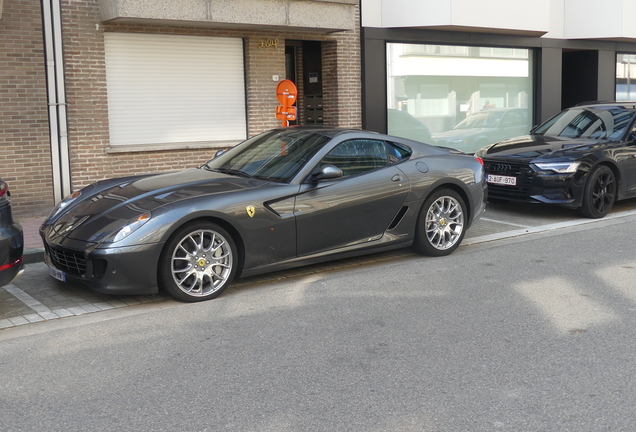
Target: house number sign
x,y
267,43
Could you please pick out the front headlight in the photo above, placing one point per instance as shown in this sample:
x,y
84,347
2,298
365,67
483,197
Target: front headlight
x,y
129,228
559,167
62,204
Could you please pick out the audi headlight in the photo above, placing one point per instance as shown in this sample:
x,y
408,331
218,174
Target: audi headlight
x,y
559,167
129,228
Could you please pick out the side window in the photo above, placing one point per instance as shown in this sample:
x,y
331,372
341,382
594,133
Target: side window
x,y
397,153
632,134
357,156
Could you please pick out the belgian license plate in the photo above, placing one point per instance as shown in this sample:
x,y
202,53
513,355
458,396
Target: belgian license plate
x,y
501,180
57,274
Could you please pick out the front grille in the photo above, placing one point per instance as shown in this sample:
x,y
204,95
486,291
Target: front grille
x,y
69,261
521,171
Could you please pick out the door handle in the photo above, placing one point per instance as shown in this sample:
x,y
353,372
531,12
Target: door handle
x,y
396,178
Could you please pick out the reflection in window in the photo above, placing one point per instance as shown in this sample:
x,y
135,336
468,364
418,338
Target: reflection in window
x,y
273,156
625,77
357,156
602,123
397,153
460,95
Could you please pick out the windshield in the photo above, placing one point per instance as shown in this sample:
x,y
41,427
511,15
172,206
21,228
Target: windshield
x,y
274,156
480,120
606,123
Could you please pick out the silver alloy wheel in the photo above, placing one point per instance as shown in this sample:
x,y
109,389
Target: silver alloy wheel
x,y
201,263
444,222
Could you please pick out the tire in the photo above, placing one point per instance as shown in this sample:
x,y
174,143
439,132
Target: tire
x,y
198,262
599,193
440,226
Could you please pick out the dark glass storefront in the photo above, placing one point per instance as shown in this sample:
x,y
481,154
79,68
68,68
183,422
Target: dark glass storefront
x,y
458,96
449,88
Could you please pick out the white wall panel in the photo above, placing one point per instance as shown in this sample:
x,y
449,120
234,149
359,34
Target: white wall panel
x,y
616,19
512,16
517,15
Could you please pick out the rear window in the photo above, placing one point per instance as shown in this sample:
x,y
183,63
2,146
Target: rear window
x,y
604,123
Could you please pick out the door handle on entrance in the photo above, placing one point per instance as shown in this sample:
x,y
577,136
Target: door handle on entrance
x,y
396,178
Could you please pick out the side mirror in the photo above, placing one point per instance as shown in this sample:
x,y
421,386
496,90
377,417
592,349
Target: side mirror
x,y
219,153
327,172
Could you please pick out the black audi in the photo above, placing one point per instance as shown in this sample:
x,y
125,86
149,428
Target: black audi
x,y
584,158
283,198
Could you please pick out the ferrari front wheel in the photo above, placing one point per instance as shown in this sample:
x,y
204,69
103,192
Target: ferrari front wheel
x,y
441,224
198,262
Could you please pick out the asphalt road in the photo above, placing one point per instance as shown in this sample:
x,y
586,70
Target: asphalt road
x,y
534,333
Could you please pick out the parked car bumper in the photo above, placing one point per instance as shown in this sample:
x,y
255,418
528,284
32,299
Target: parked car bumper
x,y
129,270
537,186
11,250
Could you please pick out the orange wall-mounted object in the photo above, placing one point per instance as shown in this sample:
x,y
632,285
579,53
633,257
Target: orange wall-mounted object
x,y
286,93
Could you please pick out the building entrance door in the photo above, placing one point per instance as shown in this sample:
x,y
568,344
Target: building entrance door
x,y
303,66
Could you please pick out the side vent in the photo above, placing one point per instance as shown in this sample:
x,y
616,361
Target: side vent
x,y
398,218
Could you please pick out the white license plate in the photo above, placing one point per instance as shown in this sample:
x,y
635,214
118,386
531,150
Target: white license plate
x,y
57,274
501,180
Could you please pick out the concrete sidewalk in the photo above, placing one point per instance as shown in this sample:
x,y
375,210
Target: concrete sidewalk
x,y
36,296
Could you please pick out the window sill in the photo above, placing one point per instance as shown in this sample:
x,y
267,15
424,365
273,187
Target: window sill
x,y
141,148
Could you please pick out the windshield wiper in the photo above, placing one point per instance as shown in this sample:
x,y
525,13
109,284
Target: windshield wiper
x,y
231,172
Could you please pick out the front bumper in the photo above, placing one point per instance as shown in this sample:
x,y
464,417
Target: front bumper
x,y
11,250
536,186
128,270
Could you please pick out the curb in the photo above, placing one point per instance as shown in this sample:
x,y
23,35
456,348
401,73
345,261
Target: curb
x,y
32,256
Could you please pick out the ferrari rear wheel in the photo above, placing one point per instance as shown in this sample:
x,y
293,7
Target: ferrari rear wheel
x,y
198,262
440,228
599,193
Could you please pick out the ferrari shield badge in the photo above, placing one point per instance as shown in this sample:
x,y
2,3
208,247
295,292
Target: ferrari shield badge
x,y
250,211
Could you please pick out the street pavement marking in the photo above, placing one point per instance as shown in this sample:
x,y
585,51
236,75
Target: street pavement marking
x,y
542,228
504,222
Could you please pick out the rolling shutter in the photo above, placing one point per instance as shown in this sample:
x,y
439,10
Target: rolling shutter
x,y
174,89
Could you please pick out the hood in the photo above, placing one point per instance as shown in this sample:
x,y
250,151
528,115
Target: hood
x,y
540,146
100,213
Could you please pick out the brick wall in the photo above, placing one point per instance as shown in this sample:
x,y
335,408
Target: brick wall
x,y
342,77
88,103
25,154
261,65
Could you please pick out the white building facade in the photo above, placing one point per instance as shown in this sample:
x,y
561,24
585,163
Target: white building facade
x,y
470,72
